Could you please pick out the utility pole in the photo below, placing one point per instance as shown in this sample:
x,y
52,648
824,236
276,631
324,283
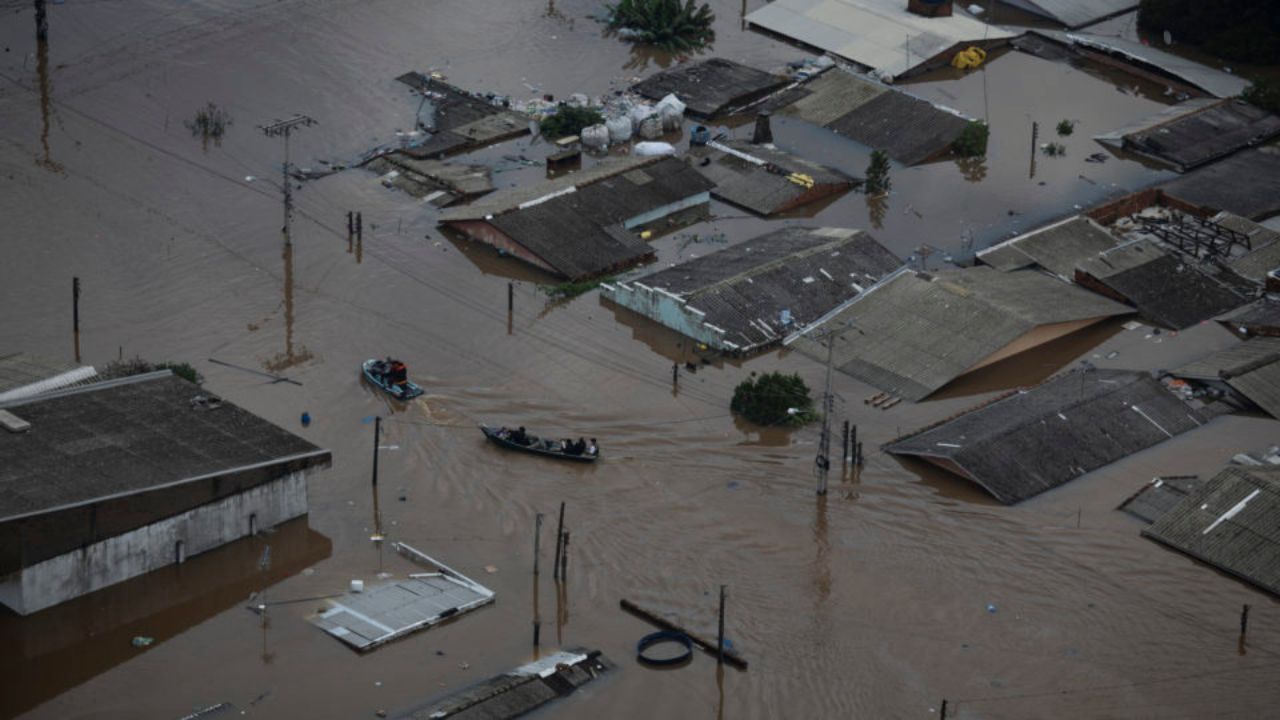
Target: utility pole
x,y
284,128
75,313
822,463
42,22
377,514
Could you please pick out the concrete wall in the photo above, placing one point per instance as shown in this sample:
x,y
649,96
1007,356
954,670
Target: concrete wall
x,y
665,309
155,545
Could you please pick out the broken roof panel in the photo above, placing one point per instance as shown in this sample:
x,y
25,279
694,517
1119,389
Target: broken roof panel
x,y
766,180
1230,524
911,130
1166,288
23,375
917,332
1251,368
879,35
1057,248
1196,132
1247,184
460,121
1075,13
1035,440
513,694
712,87
744,290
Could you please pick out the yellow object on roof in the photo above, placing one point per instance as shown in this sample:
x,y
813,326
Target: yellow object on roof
x,y
801,179
969,58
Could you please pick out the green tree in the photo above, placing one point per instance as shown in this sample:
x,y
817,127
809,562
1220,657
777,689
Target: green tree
x,y
766,399
878,174
569,121
667,24
972,141
1240,30
1265,93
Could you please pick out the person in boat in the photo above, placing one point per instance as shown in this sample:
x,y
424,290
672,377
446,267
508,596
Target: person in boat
x,y
592,450
396,373
518,436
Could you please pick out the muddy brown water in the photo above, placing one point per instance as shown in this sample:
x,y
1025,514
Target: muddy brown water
x,y
871,602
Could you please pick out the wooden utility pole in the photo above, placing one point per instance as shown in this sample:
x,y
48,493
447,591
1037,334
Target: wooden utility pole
x,y
42,22
284,128
537,539
822,463
720,635
555,569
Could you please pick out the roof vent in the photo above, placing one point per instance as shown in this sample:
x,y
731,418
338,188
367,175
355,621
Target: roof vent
x,y
13,423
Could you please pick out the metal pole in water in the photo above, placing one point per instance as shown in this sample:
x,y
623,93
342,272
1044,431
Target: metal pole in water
x,y
720,636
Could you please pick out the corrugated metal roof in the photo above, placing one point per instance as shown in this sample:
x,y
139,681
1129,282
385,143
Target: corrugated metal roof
x,y
571,243
1057,248
1035,440
1247,184
1262,313
1197,132
711,87
1076,13
1160,496
910,129
916,332
1166,289
1265,255
509,199
743,289
1215,82
760,187
1230,524
1252,368
878,34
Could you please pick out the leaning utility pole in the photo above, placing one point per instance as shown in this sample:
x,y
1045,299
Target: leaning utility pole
x,y
285,127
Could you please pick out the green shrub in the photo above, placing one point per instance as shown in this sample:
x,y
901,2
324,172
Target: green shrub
x,y
973,140
569,121
138,366
568,290
765,399
210,123
1054,149
1066,127
668,24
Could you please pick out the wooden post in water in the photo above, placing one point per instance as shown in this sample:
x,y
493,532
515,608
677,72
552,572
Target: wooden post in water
x,y
377,515
844,450
859,455
1035,137
564,558
943,714
511,297
720,635
537,538
675,374
555,569
75,313
1244,620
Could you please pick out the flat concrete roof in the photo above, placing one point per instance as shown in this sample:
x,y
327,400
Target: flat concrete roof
x,y
128,436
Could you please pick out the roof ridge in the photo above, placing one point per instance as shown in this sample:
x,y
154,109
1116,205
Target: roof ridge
x,y
777,262
91,387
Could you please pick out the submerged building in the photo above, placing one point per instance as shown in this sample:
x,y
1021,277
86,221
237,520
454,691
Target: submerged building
x,y
106,482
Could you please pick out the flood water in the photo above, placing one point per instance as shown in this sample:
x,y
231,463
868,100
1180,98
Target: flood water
x,y
871,602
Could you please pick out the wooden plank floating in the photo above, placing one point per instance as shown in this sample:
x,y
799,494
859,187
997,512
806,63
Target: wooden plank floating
x,y
710,645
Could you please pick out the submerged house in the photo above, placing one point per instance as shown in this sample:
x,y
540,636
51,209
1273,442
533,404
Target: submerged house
x,y
908,129
587,223
765,180
1196,132
1056,248
1246,374
1034,440
889,38
106,482
711,88
1230,524
753,294
915,332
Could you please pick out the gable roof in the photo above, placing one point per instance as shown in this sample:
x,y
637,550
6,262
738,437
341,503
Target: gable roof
x,y
569,241
757,177
1197,132
879,35
805,271
917,332
909,129
711,87
1057,248
1165,288
1076,13
1037,439
1252,368
1247,184
1230,523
